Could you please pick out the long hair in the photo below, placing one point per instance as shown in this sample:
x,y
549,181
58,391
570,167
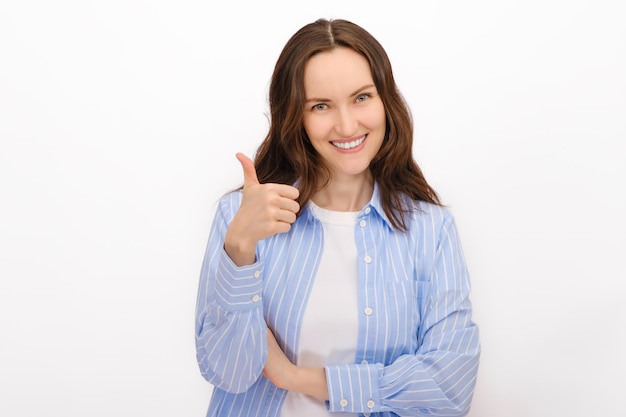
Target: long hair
x,y
286,155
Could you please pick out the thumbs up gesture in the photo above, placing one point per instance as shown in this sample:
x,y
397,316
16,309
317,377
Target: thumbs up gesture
x,y
266,209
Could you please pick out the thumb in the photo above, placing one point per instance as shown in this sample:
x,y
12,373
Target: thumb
x,y
249,172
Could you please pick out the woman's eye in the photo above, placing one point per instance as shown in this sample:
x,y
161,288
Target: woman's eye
x,y
320,106
362,97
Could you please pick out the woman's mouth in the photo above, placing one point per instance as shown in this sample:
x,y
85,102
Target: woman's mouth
x,y
349,145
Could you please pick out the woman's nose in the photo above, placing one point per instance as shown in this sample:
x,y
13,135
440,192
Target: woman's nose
x,y
346,123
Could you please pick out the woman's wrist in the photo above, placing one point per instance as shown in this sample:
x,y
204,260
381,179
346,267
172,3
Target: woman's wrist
x,y
310,381
240,252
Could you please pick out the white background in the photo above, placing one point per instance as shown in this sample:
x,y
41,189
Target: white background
x,y
119,121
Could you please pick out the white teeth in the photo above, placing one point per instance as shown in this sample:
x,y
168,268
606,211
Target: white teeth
x,y
349,145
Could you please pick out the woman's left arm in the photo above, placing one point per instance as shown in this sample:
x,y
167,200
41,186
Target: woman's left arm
x,y
438,378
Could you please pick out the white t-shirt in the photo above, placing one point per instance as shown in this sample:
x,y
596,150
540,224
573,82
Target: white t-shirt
x,y
330,324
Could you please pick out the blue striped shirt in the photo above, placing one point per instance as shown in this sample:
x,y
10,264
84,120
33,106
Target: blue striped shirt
x,y
417,351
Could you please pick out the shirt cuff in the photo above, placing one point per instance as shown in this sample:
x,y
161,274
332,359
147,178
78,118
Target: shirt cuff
x,y
354,388
238,287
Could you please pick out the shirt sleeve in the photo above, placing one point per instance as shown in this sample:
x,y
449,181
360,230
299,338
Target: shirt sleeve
x,y
231,334
439,378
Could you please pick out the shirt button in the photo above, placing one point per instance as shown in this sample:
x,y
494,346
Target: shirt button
x,y
255,298
362,223
366,414
367,210
370,404
367,259
364,362
368,311
343,402
257,274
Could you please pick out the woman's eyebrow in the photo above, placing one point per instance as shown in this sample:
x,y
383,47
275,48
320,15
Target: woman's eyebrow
x,y
365,87
318,100
325,100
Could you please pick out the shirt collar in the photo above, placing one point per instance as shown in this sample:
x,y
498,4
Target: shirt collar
x,y
374,204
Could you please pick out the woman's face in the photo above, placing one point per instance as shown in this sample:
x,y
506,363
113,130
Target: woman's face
x,y
344,116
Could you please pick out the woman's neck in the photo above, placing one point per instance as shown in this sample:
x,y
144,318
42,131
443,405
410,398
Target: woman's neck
x,y
346,193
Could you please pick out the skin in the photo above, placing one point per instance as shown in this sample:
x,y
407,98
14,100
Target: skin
x,y
266,209
342,108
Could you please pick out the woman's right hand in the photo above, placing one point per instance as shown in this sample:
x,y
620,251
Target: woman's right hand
x,y
266,209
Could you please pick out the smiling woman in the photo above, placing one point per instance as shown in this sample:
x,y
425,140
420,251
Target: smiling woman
x,y
334,280
344,119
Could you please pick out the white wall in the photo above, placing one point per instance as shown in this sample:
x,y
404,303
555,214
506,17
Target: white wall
x,y
119,121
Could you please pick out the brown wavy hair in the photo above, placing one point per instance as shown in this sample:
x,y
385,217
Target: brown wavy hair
x,y
286,155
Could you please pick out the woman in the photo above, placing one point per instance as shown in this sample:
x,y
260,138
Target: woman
x,y
334,281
